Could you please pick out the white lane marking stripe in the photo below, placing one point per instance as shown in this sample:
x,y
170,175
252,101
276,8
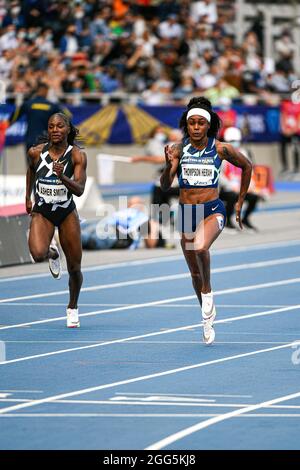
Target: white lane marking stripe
x,y
215,342
21,391
205,424
156,333
237,267
139,379
62,304
98,312
142,415
195,305
148,342
151,403
159,259
159,302
231,306
194,395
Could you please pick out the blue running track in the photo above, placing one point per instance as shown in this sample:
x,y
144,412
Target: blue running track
x,y
136,375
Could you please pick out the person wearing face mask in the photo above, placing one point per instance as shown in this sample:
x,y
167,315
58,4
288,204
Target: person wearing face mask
x,y
45,42
37,111
14,16
8,40
69,43
154,151
79,17
230,182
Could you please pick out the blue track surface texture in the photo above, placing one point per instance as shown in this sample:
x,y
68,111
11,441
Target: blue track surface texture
x,y
136,375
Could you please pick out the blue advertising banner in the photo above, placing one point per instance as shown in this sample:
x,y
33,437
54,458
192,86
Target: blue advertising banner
x,y
127,124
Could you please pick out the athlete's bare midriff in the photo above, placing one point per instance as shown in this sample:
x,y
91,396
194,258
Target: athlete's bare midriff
x,y
198,195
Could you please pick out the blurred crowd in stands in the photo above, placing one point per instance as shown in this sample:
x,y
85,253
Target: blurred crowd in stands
x,y
160,50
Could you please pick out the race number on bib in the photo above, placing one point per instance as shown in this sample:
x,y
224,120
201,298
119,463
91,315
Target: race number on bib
x,y
53,193
197,175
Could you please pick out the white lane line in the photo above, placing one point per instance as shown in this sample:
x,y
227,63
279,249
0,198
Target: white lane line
x,y
62,304
140,379
109,415
21,391
142,415
195,305
215,342
159,302
205,424
147,342
104,267
155,333
97,312
163,259
195,395
170,277
100,287
151,403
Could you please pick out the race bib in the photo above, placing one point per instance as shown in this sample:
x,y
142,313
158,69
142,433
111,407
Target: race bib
x,y
53,193
198,175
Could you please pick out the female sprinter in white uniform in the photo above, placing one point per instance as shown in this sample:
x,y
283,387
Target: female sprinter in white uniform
x,y
202,214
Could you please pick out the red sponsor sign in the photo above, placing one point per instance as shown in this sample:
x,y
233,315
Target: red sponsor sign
x,y
3,127
290,117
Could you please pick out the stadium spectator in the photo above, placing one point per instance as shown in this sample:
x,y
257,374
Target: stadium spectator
x,y
14,16
205,10
143,40
170,28
127,228
69,42
38,111
154,154
8,40
290,136
230,180
222,90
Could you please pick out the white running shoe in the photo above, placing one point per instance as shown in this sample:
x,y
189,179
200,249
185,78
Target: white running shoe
x,y
54,264
73,318
208,315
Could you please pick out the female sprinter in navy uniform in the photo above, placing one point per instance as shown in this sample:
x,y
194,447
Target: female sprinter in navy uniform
x,y
202,214
56,171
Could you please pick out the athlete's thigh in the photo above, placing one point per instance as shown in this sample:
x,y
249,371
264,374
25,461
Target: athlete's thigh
x,y
187,245
40,233
70,238
208,231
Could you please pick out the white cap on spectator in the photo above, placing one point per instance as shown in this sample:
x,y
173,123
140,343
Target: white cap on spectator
x,y
232,134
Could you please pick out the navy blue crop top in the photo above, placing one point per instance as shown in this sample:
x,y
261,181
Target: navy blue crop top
x,y
199,168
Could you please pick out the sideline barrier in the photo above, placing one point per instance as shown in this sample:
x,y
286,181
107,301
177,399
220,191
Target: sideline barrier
x,y
106,167
13,189
124,124
263,178
14,221
14,225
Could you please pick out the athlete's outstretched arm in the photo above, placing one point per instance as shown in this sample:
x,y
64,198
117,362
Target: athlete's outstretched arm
x,y
172,161
76,185
232,155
